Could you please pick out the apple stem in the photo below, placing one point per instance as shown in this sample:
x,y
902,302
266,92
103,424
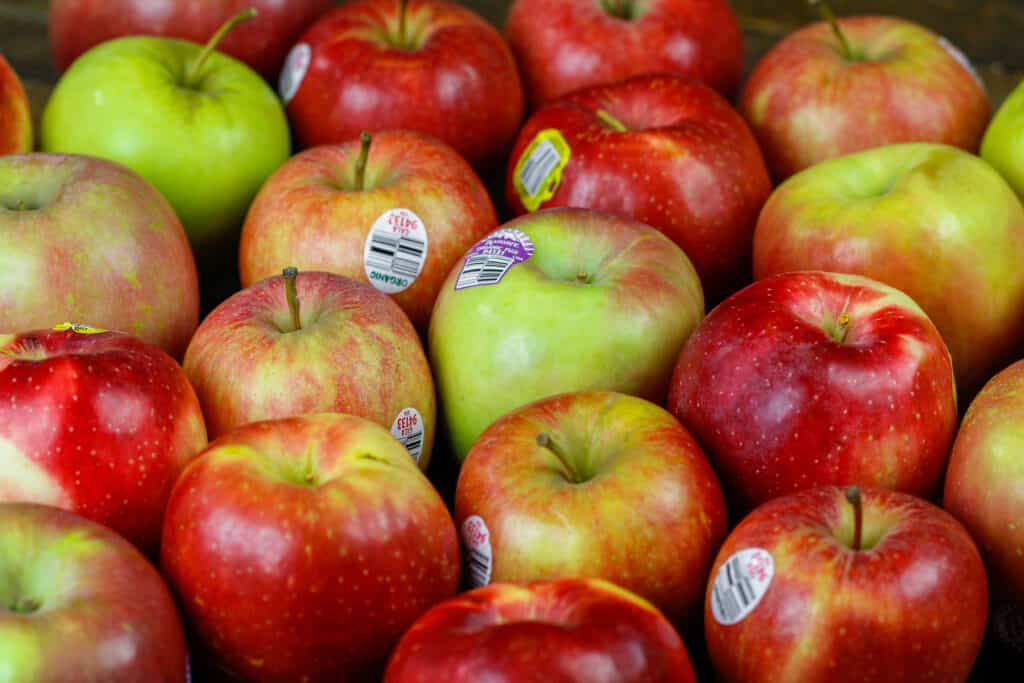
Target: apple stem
x,y
364,155
854,498
583,277
402,7
25,606
610,121
621,9
192,74
544,440
290,273
843,322
825,9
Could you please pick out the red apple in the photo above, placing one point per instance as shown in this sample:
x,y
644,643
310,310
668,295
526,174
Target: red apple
x,y
664,150
568,631
431,66
301,549
16,134
79,603
815,588
352,351
815,95
95,422
812,378
564,45
77,25
397,213
595,484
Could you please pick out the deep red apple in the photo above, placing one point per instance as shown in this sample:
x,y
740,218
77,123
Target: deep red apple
x,y
564,45
99,423
811,378
16,134
567,631
77,25
667,151
431,66
817,588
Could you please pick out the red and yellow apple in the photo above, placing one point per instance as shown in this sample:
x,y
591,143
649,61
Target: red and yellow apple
x,y
16,134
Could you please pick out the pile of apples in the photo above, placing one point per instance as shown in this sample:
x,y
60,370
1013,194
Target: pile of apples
x,y
726,372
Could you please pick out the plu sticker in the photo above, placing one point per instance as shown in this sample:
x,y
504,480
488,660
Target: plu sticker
x,y
539,170
493,256
294,72
77,328
408,429
395,250
740,584
476,542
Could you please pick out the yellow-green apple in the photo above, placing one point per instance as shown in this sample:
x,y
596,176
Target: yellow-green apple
x,y
564,45
99,423
77,25
918,217
204,128
301,549
667,151
567,631
79,603
811,378
595,484
16,135
313,342
834,586
1003,143
432,66
88,240
397,213
829,90
556,301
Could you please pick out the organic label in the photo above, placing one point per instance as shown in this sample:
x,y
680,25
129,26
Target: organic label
x,y
78,328
539,170
960,57
488,261
740,584
295,67
476,542
395,250
408,428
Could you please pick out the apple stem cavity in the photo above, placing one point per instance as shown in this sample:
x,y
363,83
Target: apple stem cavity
x,y
364,154
26,606
610,121
854,498
290,273
194,69
544,440
403,6
825,9
620,9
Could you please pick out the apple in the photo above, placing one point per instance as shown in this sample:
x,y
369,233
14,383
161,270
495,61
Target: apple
x,y
431,66
595,484
88,240
301,549
204,128
811,378
16,134
556,301
842,86
397,214
922,218
1003,143
667,151
79,603
567,631
313,342
77,25
96,422
819,586
564,45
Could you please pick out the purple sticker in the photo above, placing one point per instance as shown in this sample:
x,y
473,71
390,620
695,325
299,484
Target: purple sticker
x,y
493,256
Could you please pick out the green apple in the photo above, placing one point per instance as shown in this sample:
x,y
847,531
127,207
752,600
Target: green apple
x,y
204,128
1003,144
555,301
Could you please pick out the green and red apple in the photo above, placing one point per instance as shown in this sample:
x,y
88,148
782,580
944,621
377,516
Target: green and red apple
x,y
16,134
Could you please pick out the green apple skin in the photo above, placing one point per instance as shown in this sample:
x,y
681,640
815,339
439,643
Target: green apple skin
x,y
207,148
931,220
1003,144
542,331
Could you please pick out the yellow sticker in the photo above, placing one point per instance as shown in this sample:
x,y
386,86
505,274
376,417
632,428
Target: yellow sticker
x,y
539,170
77,327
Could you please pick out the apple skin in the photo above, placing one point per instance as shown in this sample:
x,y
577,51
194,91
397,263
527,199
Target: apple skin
x,y
104,614
581,629
565,45
1003,143
806,102
207,147
356,353
309,213
911,606
458,81
302,548
917,217
16,134
629,497
540,331
780,403
63,258
77,25
687,165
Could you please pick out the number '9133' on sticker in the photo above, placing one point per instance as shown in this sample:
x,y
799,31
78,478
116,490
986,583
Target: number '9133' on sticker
x,y
489,261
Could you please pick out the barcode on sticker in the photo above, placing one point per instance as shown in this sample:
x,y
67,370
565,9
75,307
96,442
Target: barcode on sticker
x,y
403,255
538,172
476,544
740,584
492,257
539,166
395,250
408,429
483,270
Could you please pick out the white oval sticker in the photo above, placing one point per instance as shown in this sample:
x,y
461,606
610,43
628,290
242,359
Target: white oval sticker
x,y
740,584
295,67
408,429
395,250
476,544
